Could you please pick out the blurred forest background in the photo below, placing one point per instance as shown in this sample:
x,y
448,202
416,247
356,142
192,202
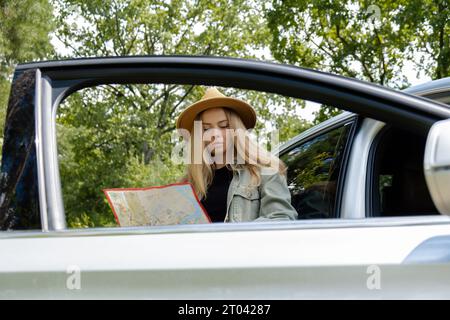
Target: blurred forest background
x,y
120,136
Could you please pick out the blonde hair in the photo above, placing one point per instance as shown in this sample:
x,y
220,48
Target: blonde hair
x,y
251,155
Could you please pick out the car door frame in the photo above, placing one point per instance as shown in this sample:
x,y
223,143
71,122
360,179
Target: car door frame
x,y
435,90
57,80
241,273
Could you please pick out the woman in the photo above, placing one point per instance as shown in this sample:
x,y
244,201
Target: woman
x,y
236,179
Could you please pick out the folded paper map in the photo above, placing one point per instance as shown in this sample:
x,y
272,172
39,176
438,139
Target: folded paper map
x,y
162,205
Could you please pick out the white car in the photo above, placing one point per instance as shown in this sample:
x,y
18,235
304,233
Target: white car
x,y
373,221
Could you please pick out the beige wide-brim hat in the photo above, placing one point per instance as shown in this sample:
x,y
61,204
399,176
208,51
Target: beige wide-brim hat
x,y
214,98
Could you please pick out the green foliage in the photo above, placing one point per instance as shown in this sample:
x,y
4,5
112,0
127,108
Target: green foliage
x,y
430,20
120,135
4,94
101,144
110,137
325,113
341,37
24,36
137,27
362,39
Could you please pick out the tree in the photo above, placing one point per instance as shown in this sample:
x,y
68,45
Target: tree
x,y
121,135
137,27
348,37
430,20
25,26
357,39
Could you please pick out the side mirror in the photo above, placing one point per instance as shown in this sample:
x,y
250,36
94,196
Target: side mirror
x,y
437,165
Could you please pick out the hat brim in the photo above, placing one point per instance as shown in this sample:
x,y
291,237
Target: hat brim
x,y
242,108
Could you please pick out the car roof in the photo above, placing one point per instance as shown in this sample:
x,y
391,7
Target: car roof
x,y
440,85
429,90
437,90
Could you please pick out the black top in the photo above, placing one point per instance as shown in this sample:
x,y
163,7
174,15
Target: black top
x,y
216,196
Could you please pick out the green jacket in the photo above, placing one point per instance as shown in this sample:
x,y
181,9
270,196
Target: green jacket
x,y
271,200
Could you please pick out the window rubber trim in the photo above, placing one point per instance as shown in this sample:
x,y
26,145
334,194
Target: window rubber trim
x,y
355,124
370,174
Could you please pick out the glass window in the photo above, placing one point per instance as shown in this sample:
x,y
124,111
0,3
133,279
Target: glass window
x,y
19,200
121,136
314,169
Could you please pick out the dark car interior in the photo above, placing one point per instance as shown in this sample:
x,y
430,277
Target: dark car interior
x,y
397,181
314,169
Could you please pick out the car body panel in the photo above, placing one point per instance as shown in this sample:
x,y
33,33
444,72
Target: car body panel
x,y
335,258
225,264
